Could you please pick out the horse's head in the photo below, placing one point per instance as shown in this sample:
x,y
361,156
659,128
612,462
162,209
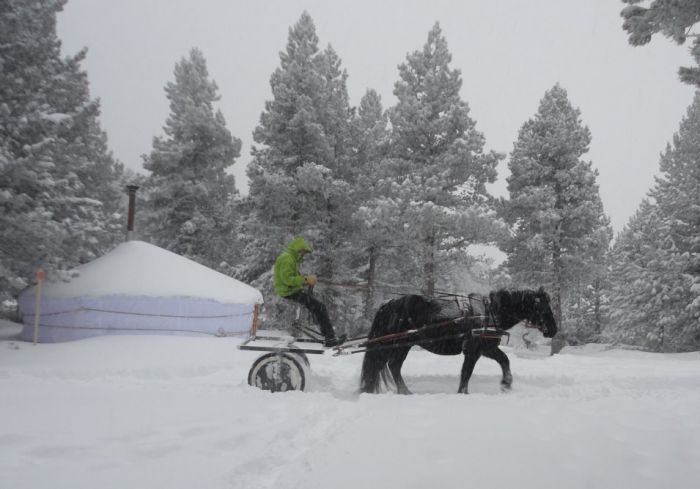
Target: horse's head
x,y
540,313
511,307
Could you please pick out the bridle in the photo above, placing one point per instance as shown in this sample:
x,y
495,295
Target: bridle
x,y
538,324
530,325
490,317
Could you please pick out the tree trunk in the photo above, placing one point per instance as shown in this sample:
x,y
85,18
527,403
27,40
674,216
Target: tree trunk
x,y
369,295
559,341
598,306
429,266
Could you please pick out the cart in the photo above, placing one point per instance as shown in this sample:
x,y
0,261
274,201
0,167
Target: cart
x,y
284,364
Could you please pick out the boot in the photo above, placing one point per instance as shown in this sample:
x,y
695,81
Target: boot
x,y
333,341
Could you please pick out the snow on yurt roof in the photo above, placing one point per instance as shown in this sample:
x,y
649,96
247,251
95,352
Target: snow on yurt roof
x,y
136,268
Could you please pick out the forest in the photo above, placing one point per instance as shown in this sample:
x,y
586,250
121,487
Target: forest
x,y
393,198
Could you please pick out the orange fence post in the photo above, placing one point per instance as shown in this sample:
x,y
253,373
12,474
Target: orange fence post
x,y
254,326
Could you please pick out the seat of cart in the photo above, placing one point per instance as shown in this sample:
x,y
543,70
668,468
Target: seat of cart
x,y
278,341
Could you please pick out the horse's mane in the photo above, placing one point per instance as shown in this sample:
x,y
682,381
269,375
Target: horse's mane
x,y
520,295
508,305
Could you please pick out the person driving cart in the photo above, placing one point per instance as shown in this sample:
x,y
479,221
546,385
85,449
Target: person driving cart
x,y
289,284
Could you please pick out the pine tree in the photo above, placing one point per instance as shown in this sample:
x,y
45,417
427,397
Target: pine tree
x,y
440,169
677,193
190,194
560,234
301,172
656,284
374,215
59,185
672,18
290,135
639,282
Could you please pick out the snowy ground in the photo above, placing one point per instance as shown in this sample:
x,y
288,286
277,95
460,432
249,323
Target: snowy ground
x,y
147,412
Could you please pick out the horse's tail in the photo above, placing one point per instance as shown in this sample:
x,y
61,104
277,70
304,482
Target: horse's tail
x,y
375,359
373,365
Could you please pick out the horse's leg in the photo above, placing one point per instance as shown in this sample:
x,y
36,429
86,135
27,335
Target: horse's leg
x,y
497,354
396,360
471,355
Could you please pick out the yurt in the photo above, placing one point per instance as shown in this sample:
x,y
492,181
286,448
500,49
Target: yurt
x,y
139,288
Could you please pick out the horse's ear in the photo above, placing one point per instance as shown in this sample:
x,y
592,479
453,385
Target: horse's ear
x,y
543,293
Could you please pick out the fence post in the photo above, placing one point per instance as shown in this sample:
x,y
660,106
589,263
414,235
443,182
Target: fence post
x,y
254,326
40,275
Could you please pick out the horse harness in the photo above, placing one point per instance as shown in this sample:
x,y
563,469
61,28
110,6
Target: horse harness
x,y
479,307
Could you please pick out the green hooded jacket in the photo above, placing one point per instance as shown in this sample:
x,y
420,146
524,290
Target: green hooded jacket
x,y
287,278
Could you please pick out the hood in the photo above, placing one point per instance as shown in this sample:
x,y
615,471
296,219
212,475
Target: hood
x,y
297,245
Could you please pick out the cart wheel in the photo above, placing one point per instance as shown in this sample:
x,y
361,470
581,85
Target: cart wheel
x,y
277,372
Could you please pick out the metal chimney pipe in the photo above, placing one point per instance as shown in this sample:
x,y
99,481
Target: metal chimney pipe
x,y
132,210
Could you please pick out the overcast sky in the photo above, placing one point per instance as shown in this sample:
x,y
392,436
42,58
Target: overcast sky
x,y
509,52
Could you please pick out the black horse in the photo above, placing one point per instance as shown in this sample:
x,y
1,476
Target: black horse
x,y
448,335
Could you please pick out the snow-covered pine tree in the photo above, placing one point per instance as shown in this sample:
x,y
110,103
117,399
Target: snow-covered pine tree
x,y
371,126
638,282
560,233
59,185
301,170
439,165
374,236
677,193
190,207
661,251
96,212
672,18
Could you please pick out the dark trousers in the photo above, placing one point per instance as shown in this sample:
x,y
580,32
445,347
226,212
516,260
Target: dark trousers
x,y
317,309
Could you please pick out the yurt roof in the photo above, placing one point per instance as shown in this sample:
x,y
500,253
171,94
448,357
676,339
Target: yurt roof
x,y
136,268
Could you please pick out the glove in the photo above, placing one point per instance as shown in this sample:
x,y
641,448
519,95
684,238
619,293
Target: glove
x,y
310,280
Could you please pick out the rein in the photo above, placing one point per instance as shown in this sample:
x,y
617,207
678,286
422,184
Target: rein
x,y
390,288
